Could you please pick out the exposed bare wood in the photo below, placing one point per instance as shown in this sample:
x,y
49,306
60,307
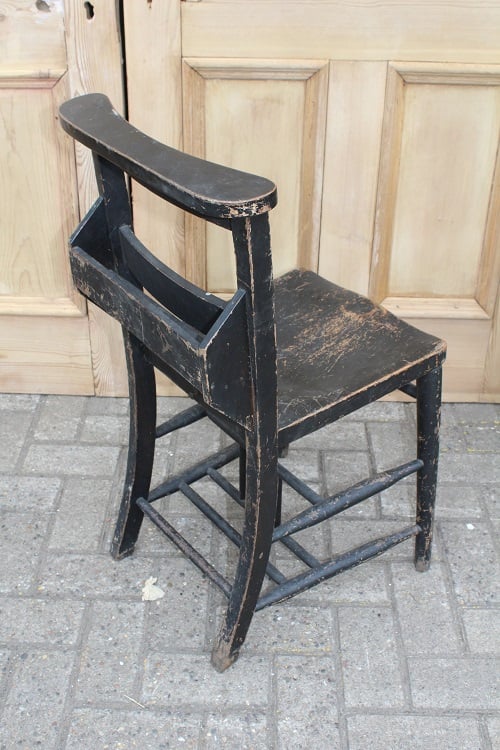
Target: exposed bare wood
x,y
451,30
352,154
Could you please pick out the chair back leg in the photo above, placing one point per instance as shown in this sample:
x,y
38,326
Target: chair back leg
x,y
142,391
428,418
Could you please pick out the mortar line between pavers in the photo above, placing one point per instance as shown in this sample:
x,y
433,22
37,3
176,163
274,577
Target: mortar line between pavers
x,y
69,702
272,706
484,732
339,680
111,510
28,440
487,517
44,546
81,421
202,734
455,609
372,465
400,644
8,679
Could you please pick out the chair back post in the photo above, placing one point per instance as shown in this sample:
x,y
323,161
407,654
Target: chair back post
x,y
112,187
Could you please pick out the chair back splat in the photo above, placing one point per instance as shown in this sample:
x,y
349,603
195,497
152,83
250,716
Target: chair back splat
x,y
279,360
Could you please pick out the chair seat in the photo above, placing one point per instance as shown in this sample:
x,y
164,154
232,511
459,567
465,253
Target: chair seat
x,y
337,350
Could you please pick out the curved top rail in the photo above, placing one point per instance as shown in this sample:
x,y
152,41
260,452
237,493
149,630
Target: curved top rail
x,y
194,184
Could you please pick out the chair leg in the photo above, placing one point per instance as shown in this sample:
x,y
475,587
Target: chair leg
x,y
428,418
142,392
261,492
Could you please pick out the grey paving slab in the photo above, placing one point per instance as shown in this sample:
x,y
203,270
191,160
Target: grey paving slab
x,y
71,460
40,621
413,733
19,401
28,493
473,561
106,429
306,718
35,704
58,418
344,468
425,613
14,428
22,535
493,724
188,679
110,653
85,500
246,731
482,629
134,729
461,683
292,629
370,663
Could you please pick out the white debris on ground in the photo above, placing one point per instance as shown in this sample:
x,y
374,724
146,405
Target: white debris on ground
x,y
150,592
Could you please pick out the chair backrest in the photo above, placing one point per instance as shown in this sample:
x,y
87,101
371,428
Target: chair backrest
x,y
223,354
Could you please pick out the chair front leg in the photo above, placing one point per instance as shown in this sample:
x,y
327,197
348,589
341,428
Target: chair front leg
x,y
428,419
261,493
142,431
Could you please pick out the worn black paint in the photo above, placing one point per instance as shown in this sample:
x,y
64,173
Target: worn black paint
x,y
278,361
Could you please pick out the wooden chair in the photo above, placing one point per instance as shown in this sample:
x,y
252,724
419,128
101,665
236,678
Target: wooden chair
x,y
278,361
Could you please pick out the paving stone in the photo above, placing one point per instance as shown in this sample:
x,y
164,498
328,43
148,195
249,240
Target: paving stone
x,y
350,533
341,436
491,499
303,463
22,536
483,437
98,575
473,561
493,723
287,628
28,493
14,427
59,418
461,683
81,515
365,584
177,621
383,411
480,468
107,406
189,679
71,460
110,655
473,413
392,444
425,614
237,731
105,429
413,733
38,621
35,703
369,658
306,718
482,627
195,442
345,468
138,729
19,401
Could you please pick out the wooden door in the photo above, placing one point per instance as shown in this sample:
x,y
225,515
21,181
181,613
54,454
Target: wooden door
x,y
379,123
49,52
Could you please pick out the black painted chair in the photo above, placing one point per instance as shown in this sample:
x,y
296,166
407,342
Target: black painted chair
x,y
279,360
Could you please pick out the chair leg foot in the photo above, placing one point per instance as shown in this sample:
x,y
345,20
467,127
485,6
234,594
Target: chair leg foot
x,y
222,658
142,390
428,418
